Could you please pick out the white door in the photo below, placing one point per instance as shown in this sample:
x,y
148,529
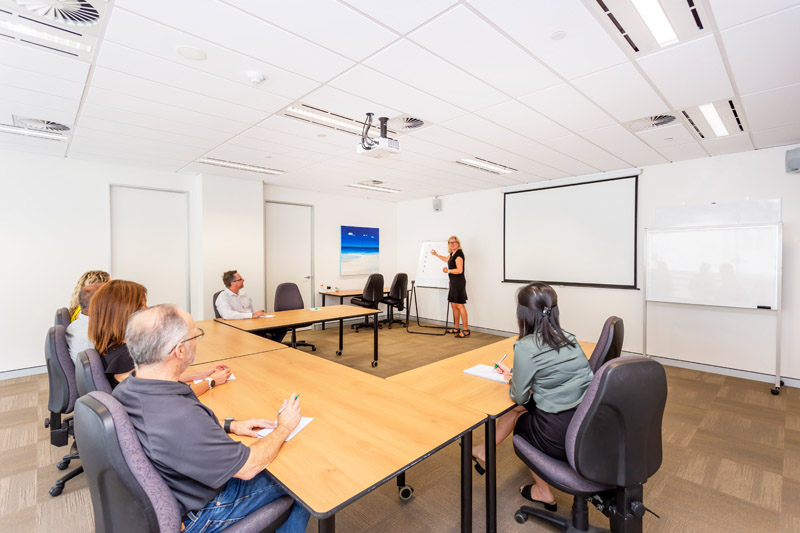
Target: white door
x,y
150,242
288,250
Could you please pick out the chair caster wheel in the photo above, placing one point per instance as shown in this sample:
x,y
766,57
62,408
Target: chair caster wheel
x,y
775,391
338,352
520,517
390,326
55,491
313,348
47,422
406,491
374,364
62,465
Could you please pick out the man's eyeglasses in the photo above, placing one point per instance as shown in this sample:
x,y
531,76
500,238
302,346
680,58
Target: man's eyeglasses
x,y
240,279
198,336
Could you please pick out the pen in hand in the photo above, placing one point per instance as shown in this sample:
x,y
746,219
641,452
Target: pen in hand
x,y
285,404
500,361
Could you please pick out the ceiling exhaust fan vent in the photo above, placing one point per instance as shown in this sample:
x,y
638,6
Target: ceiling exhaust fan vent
x,y
617,25
40,125
651,123
73,12
405,123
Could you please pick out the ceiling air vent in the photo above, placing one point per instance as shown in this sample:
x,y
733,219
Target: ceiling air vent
x,y
736,115
40,125
617,25
651,123
695,14
700,133
406,123
74,12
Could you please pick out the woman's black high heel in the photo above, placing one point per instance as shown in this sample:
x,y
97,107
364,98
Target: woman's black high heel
x,y
478,467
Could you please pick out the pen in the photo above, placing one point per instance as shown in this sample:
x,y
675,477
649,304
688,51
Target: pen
x,y
500,361
284,406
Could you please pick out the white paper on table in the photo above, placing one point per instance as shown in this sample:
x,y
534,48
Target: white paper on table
x,y
266,316
303,423
315,309
202,380
485,372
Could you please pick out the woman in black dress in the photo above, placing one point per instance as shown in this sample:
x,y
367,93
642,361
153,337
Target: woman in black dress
x,y
457,296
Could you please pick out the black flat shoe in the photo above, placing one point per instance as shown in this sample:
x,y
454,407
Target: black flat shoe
x,y
526,493
478,467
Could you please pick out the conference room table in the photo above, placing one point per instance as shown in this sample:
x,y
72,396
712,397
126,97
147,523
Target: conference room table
x,y
361,435
221,342
344,293
446,379
297,317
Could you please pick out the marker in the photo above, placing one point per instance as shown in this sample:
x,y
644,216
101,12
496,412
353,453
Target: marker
x,y
284,406
500,361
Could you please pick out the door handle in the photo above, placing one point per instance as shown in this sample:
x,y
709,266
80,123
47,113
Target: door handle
x,y
307,277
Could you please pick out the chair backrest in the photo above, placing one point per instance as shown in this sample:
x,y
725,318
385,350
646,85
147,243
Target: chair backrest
x,y
214,302
399,286
128,493
288,297
373,289
62,317
90,374
60,372
609,345
614,437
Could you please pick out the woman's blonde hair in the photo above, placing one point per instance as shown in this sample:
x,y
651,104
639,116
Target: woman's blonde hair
x,y
112,306
456,239
89,278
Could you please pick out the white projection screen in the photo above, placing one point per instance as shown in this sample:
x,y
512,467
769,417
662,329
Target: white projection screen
x,y
582,234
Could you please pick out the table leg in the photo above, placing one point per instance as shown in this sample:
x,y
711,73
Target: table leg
x,y
375,342
466,483
327,525
294,338
323,305
491,477
341,326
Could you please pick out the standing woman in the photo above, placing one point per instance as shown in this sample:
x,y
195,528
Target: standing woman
x,y
89,278
457,296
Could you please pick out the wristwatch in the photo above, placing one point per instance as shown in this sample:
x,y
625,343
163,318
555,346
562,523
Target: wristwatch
x,y
227,425
211,383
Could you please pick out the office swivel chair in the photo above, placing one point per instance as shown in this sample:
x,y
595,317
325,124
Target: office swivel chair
x,y
288,298
370,298
609,345
90,374
613,446
62,317
214,302
128,494
396,298
62,395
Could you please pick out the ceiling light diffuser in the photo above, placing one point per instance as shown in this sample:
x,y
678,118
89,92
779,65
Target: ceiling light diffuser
x,y
487,166
323,118
49,37
713,119
32,133
240,166
373,188
656,21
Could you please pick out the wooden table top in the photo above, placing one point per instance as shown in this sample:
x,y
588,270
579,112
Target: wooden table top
x,y
300,316
446,378
223,342
347,292
365,429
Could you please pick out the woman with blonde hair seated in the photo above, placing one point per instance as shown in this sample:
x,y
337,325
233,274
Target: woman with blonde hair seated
x,y
88,278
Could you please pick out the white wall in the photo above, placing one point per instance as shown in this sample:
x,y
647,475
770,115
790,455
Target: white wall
x,y
725,337
330,213
55,226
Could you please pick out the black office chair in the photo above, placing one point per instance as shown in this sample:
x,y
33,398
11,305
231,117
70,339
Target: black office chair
x,y
370,298
214,302
128,493
288,298
90,374
613,446
62,395
609,345
62,317
396,298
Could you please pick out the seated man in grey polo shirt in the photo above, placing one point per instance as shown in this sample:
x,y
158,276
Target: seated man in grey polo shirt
x,y
216,480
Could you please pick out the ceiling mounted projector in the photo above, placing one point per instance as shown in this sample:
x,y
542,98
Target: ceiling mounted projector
x,y
383,146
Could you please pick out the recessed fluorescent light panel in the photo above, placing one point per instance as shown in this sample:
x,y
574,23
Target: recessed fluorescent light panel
x,y
488,166
377,188
33,133
325,119
240,166
713,119
656,21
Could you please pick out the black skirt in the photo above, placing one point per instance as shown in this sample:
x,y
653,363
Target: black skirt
x,y
546,431
458,289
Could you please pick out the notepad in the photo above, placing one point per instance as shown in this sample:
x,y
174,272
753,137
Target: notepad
x,y
315,309
485,372
303,423
202,380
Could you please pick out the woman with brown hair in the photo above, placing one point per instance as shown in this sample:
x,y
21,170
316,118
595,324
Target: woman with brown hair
x,y
112,306
88,278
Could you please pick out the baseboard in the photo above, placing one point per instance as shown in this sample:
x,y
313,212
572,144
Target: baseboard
x,y
488,331
744,374
22,372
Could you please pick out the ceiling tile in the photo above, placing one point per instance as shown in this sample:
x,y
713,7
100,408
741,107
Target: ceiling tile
x,y
43,83
625,145
488,132
116,128
127,28
773,108
397,95
407,62
764,54
568,107
346,104
487,54
22,143
777,136
689,74
666,135
586,48
13,95
682,152
729,13
584,151
453,140
727,145
234,29
622,92
133,144
524,120
23,57
401,16
548,156
531,169
9,108
240,154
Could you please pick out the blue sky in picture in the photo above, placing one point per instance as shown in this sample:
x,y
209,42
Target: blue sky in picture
x,y
358,240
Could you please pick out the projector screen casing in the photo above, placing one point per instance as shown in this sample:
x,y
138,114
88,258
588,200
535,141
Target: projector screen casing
x,y
581,234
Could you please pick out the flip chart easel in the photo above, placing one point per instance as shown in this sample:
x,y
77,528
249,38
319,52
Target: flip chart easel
x,y
429,275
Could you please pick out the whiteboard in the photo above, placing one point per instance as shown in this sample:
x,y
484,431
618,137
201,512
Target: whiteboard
x,y
429,267
723,266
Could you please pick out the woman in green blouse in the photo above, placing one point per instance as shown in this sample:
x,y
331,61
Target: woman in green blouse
x,y
550,377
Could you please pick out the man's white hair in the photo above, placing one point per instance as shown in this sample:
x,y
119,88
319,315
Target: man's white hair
x,y
153,333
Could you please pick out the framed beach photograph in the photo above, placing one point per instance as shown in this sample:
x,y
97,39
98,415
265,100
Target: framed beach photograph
x,y
359,250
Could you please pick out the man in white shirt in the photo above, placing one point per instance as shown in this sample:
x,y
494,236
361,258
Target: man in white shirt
x,y
232,304
78,330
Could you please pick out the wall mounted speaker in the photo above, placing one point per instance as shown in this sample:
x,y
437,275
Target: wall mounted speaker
x,y
793,160
437,204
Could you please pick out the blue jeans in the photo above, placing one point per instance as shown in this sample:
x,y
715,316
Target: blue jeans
x,y
240,498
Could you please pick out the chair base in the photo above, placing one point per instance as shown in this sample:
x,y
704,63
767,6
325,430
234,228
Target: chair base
x,y
56,489
298,344
366,324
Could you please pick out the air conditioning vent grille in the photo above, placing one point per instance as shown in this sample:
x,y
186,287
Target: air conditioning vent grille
x,y
73,12
40,125
653,122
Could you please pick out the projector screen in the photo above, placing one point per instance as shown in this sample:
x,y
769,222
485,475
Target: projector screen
x,y
582,234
